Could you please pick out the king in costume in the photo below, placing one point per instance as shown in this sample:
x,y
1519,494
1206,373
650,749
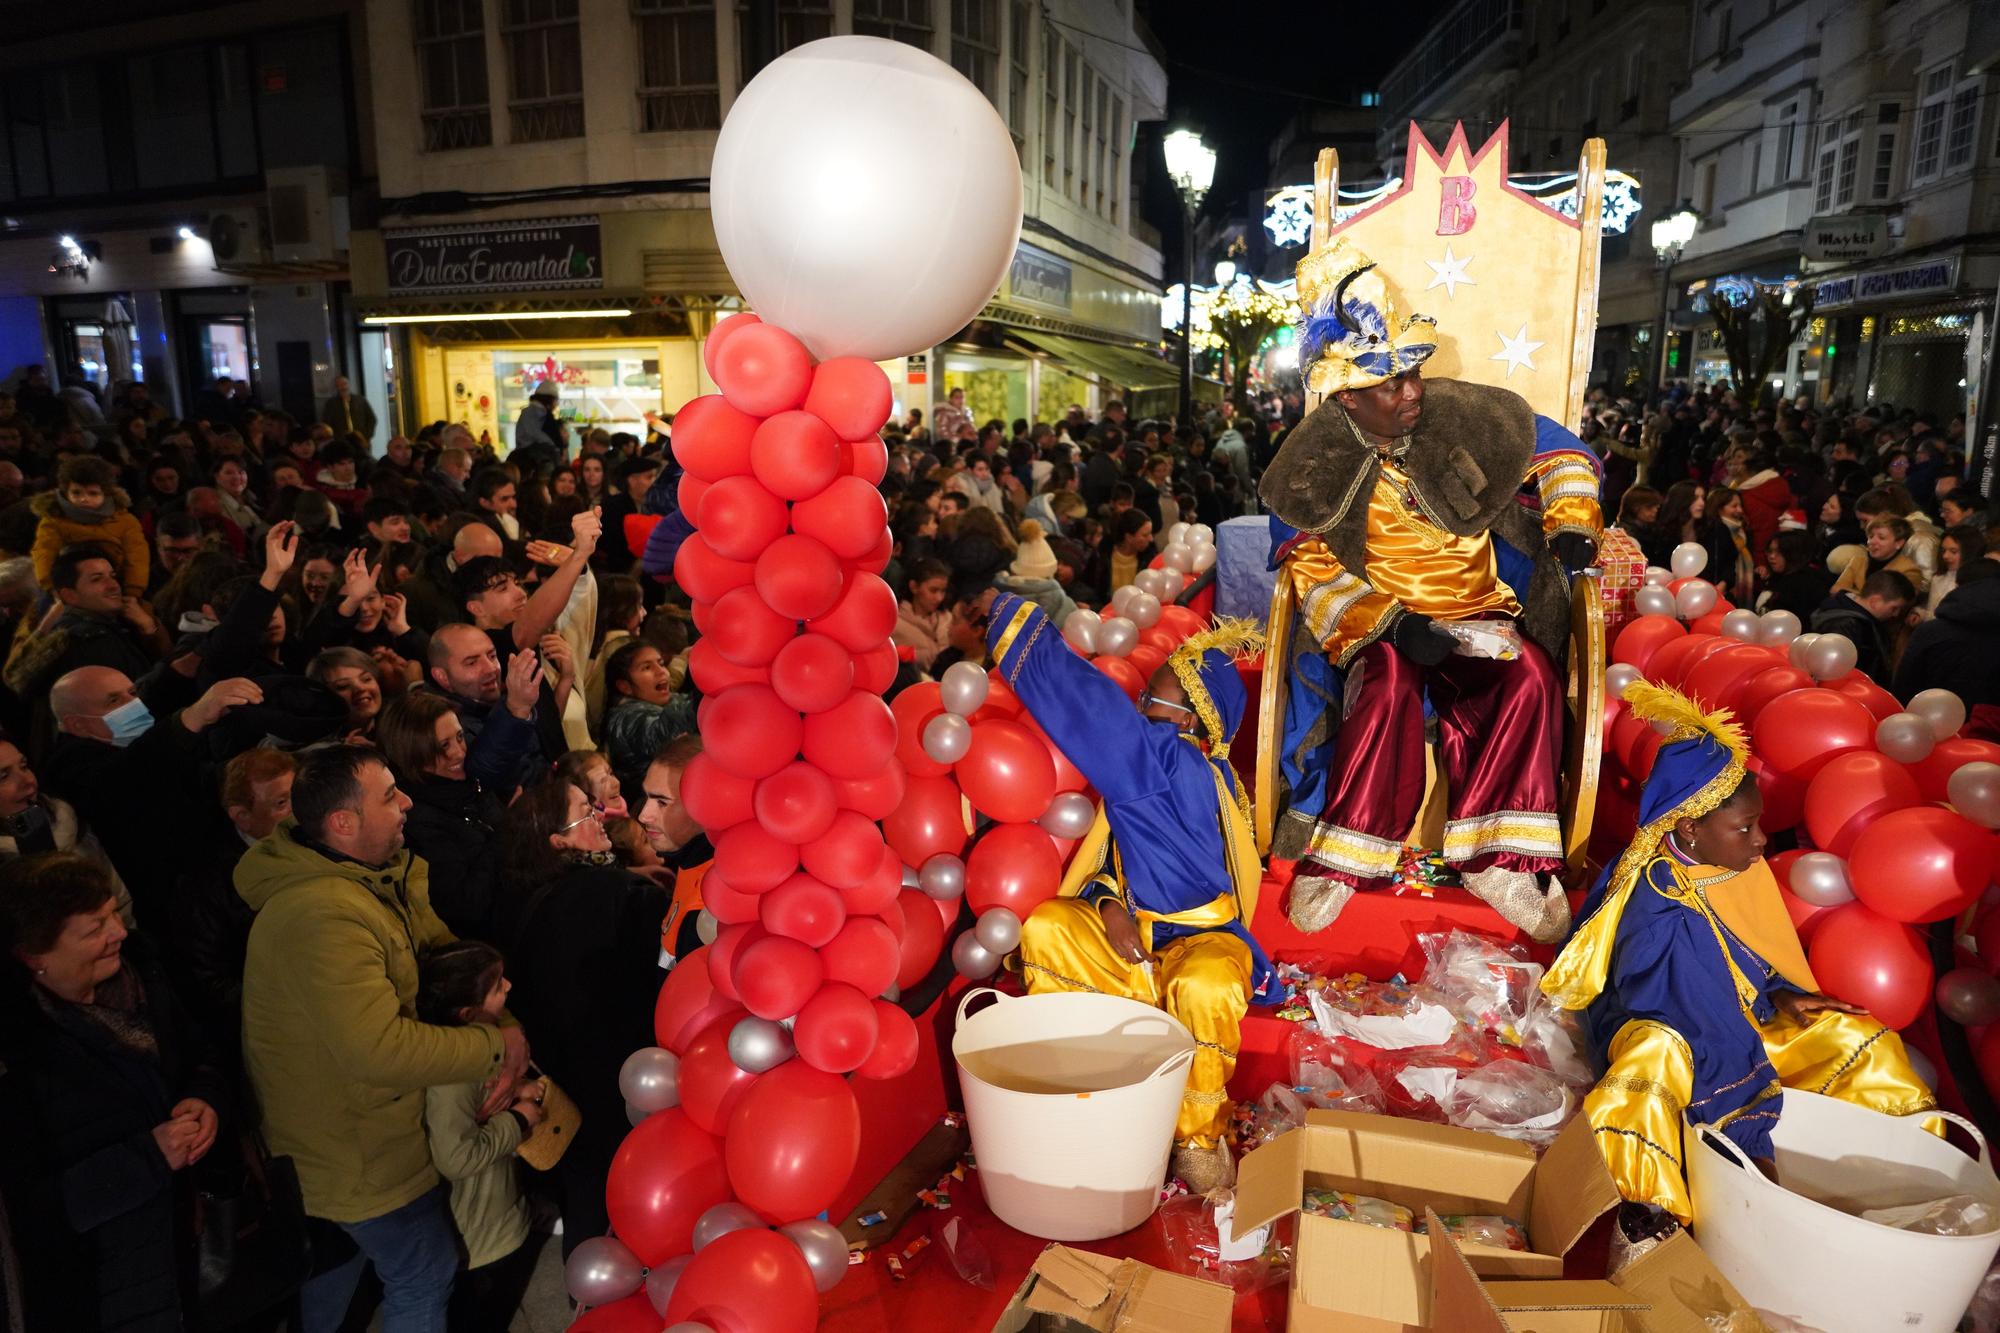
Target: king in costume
x,y
1171,852
1697,998
1397,506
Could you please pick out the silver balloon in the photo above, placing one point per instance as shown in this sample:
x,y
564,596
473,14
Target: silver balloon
x,y
1944,710
1200,535
722,1219
943,877
660,1282
1175,535
1204,559
757,1044
911,879
1741,624
1688,560
1921,1066
1170,583
1776,629
650,1079
706,927
948,736
1905,738
1117,638
1179,558
1080,630
1070,815
962,688
1619,675
601,1270
1974,791
1695,600
1969,997
1153,581
1796,653
1657,577
823,1246
1143,609
1121,601
633,1115
893,994
998,930
1831,657
1651,601
1820,878
973,960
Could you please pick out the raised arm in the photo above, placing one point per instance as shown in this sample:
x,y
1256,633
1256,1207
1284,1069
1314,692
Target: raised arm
x,y
548,600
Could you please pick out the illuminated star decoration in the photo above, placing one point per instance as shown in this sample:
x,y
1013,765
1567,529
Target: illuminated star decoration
x,y
1449,272
1289,215
1516,351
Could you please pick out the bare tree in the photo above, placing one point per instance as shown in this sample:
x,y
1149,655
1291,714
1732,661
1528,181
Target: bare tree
x,y
1757,331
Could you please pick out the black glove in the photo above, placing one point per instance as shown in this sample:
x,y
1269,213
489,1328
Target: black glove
x,y
1421,641
1576,551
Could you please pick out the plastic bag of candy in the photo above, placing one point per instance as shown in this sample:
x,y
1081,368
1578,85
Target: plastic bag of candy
x,y
1553,1038
1501,1233
1488,985
1345,1206
1188,1224
1337,1082
1388,1015
1514,1100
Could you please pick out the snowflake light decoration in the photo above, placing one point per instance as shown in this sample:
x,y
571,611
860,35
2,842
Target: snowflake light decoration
x,y
1288,215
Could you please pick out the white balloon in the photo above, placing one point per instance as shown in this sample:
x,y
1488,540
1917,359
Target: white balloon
x,y
1151,581
1178,557
1777,629
998,930
1905,738
706,927
1171,582
1653,601
1831,657
1657,577
1118,637
1201,535
1121,601
1204,559
1619,675
962,688
1944,710
943,877
809,194
1176,534
1143,609
947,737
1070,815
1695,600
720,1220
1799,648
1080,630
1689,558
1820,878
1742,624
973,959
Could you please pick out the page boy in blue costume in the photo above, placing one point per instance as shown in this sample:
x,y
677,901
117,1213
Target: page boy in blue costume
x,y
1160,894
1696,996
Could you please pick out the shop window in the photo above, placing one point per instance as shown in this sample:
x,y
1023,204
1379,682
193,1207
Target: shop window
x,y
799,22
451,64
679,87
607,387
975,44
544,69
1932,110
899,20
1020,27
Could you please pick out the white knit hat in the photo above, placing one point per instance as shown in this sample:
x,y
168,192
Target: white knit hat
x,y
1033,559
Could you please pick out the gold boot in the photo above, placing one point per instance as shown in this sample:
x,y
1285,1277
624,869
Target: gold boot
x,y
1541,914
1203,1170
1316,900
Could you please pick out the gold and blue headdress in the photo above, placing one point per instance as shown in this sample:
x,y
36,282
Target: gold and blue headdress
x,y
1351,337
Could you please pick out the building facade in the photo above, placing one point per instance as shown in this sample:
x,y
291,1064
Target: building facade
x,y
572,139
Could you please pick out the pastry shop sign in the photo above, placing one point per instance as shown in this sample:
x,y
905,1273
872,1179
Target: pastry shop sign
x,y
530,256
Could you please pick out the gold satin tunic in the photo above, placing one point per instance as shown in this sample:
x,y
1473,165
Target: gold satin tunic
x,y
1426,569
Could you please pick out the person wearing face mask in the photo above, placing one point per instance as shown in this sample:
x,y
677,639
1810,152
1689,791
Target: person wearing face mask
x,y
33,822
1158,899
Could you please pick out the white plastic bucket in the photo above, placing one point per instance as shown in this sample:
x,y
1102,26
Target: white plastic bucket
x,y
1793,1255
1071,1099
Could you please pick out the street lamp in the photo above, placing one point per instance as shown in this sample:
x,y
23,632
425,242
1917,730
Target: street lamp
x,y
1670,236
1191,165
1225,272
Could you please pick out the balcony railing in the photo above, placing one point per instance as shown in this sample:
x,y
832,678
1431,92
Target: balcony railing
x,y
1473,30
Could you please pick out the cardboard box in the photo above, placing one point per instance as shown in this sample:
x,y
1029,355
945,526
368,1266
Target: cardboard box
x,y
1075,1291
1463,1303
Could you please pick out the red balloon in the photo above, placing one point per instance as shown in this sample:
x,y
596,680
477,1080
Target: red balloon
x,y
1014,866
803,909
1639,640
727,905
700,612
1864,958
730,941
1160,639
895,1050
1712,622
749,1281
712,439
913,709
1181,622
688,1003
763,370
1987,1055
724,330
793,1142
929,821
1670,665
1123,673
715,673
919,939
739,518
1715,678
691,491
862,954
1934,772
862,617
875,668
875,795
879,889
1146,660
715,798
666,1173
1805,916
1873,697
1784,797
866,458
751,732
776,974
795,455
1635,742
1006,773
851,395
1068,776
848,517
705,575
836,1029
847,854
1756,694
746,632
811,672
1986,937
711,1084
1922,864
854,738
1853,791
1798,734
1001,701
795,804
627,1314
753,859
798,577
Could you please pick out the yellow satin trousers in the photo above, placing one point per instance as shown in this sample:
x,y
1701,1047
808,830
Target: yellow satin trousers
x,y
1636,1109
1204,981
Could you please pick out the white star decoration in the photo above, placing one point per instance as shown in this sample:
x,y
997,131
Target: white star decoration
x,y
1450,271
1516,351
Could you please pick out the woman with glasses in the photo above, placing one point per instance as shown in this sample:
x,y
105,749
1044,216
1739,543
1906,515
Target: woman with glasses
x,y
582,938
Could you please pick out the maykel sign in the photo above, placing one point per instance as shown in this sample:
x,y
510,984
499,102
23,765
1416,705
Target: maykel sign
x,y
549,255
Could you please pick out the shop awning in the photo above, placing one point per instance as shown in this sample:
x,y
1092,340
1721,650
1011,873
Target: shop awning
x,y
1120,366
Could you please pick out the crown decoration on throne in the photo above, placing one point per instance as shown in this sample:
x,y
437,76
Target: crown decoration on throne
x,y
1351,336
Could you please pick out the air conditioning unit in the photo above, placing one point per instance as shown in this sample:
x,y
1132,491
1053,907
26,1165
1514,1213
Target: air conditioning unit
x,y
236,235
307,208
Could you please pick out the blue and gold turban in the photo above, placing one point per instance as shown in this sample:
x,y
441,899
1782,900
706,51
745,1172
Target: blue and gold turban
x,y
1205,665
1352,337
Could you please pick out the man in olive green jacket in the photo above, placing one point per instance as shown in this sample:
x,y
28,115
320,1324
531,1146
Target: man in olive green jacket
x,y
337,1057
